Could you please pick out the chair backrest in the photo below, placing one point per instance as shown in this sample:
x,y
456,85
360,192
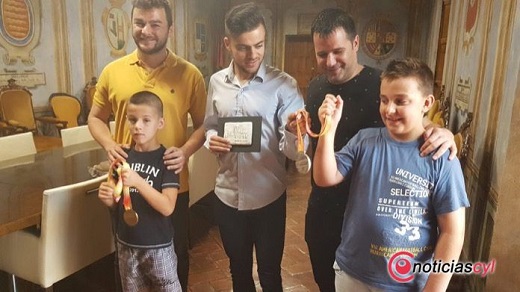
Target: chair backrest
x,y
75,229
204,164
462,137
17,145
433,110
112,127
76,135
65,108
437,119
88,94
16,105
458,142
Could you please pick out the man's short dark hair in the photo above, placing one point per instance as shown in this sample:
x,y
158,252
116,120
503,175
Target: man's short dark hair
x,y
149,4
329,19
410,67
243,18
148,98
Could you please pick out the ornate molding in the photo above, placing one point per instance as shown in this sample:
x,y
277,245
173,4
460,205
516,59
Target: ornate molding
x,y
61,46
88,37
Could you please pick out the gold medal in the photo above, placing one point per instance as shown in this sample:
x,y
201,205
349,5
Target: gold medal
x,y
130,216
114,178
303,161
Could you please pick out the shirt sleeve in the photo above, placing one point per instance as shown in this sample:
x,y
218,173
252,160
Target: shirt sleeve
x,y
170,179
101,94
449,193
211,119
291,101
198,100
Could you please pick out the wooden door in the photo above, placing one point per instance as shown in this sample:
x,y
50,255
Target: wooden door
x,y
300,60
441,48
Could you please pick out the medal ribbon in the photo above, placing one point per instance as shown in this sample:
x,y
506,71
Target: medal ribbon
x,y
118,186
299,132
302,114
303,162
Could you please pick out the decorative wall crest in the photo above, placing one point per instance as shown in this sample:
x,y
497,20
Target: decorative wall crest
x,y
19,29
117,27
470,24
200,40
379,38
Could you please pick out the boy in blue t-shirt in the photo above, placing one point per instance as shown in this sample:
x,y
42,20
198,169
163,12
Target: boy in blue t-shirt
x,y
403,209
146,256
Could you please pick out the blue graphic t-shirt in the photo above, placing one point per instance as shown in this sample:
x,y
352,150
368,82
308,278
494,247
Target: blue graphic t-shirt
x,y
395,197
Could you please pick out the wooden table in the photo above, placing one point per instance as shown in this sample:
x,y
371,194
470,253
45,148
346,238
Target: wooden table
x,y
44,143
23,180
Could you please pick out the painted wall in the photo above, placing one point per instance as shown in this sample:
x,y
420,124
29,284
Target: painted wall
x,y
102,31
41,58
363,12
482,77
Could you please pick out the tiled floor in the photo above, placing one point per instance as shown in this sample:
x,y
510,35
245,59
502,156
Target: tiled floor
x,y
209,269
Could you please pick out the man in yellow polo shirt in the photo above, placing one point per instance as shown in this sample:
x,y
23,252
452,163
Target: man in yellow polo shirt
x,y
180,86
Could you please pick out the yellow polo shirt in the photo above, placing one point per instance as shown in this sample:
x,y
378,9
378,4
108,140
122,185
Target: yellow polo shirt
x,y
178,83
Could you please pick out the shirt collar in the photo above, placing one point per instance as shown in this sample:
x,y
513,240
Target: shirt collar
x,y
171,59
259,77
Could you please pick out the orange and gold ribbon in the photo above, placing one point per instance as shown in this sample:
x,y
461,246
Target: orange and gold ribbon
x,y
116,168
305,115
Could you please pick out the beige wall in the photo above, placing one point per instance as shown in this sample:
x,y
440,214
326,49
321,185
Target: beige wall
x,y
481,76
505,245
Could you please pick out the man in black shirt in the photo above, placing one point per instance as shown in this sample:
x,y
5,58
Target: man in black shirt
x,y
336,44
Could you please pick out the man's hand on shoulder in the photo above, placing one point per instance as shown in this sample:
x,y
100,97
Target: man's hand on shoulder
x,y
174,159
116,152
440,140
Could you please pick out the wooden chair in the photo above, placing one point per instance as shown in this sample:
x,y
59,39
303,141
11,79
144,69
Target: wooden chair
x,y
88,95
462,138
17,108
445,107
75,232
65,108
437,119
439,113
6,129
17,145
433,110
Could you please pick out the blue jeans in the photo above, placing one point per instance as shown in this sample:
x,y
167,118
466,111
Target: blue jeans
x,y
263,229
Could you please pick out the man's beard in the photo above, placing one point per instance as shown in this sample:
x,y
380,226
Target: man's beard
x,y
159,46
